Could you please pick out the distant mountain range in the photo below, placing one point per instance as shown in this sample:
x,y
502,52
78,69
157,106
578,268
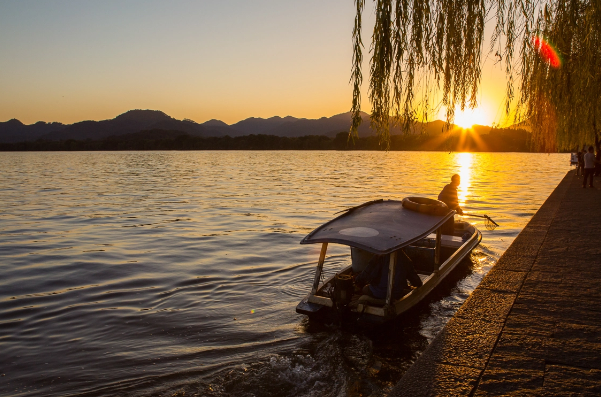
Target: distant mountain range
x,y
135,121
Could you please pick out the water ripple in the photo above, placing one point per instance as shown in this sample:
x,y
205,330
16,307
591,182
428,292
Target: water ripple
x,y
163,273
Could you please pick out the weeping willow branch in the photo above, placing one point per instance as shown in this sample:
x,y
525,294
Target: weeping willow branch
x,y
356,75
425,47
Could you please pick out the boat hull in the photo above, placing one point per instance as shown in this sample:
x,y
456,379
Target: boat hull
x,y
314,304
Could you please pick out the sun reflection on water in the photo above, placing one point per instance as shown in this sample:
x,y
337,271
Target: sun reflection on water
x,y
464,161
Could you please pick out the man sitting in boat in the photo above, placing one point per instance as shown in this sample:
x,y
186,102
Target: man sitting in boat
x,y
448,195
374,278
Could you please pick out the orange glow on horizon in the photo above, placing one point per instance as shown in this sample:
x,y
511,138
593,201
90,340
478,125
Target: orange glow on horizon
x,y
467,118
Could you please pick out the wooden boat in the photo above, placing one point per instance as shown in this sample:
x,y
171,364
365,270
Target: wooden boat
x,y
385,229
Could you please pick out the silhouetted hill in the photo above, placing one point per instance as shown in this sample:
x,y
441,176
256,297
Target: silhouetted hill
x,y
15,131
215,123
327,126
215,127
294,127
126,123
142,116
257,125
136,123
140,120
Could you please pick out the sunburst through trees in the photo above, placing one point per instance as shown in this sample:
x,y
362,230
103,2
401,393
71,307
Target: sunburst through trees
x,y
551,51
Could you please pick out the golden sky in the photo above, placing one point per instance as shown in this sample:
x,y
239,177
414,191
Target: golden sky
x,y
69,61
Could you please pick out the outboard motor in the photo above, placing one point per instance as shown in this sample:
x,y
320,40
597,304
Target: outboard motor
x,y
343,290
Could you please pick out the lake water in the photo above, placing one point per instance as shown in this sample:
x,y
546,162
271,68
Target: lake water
x,y
172,273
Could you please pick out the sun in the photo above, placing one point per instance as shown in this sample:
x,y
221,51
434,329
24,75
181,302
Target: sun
x,y
468,117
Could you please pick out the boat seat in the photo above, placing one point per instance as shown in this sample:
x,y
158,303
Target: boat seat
x,y
448,240
370,300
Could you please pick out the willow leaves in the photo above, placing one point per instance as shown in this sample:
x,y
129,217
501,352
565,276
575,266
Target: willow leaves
x,y
424,50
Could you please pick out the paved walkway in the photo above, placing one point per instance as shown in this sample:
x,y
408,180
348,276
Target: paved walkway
x,y
533,326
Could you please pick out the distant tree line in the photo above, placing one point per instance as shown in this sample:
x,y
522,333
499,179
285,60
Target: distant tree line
x,y
499,141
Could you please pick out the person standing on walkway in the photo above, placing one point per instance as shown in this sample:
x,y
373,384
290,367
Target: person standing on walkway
x,y
581,154
589,166
597,156
448,195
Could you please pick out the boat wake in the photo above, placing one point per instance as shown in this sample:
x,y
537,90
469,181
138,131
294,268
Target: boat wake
x,y
332,364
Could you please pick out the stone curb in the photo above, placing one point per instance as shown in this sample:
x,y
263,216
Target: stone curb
x,y
483,350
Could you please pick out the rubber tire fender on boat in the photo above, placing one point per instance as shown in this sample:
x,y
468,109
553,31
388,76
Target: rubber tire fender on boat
x,y
425,205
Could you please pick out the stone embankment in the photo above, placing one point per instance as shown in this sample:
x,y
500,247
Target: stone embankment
x,y
533,326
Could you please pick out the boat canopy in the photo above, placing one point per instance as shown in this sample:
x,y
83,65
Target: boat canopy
x,y
380,227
